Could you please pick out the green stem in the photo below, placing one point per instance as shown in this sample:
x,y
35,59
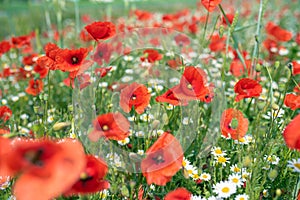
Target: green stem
x,y
255,53
205,27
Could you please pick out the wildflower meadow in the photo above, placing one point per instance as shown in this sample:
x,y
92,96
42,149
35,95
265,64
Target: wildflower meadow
x,y
149,100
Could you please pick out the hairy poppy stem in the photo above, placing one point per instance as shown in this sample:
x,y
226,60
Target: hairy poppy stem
x,y
255,53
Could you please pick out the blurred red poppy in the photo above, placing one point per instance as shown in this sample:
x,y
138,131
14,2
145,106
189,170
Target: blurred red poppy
x,y
247,88
217,44
143,15
233,124
178,194
41,70
21,41
210,5
278,33
163,160
174,63
101,30
5,148
291,134
292,101
5,113
4,131
134,95
296,67
111,125
193,85
35,87
151,55
103,53
4,47
70,60
170,97
102,71
29,60
91,178
182,40
46,168
48,60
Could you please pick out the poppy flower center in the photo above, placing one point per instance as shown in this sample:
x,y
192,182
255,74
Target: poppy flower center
x,y
189,86
233,124
158,159
105,128
133,97
75,60
34,157
85,177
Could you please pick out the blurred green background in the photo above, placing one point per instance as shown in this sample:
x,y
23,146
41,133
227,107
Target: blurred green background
x,y
19,17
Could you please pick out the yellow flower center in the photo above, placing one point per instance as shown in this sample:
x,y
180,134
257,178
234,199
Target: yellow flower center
x,y
225,189
297,165
221,159
235,180
105,128
189,86
218,151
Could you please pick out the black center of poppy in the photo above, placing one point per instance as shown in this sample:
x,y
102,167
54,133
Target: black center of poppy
x,y
34,157
158,158
133,97
100,54
75,60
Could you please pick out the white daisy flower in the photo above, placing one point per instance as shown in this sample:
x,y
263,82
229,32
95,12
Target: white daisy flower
x,y
205,177
4,182
234,168
124,142
222,160
242,197
224,189
217,151
236,179
273,159
141,152
294,164
245,174
197,198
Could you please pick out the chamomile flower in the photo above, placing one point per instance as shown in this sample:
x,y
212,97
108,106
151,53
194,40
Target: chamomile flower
x,y
235,179
224,189
197,198
103,194
4,182
217,151
205,177
187,121
141,152
294,164
245,175
234,168
242,197
124,142
221,160
273,159
146,117
170,107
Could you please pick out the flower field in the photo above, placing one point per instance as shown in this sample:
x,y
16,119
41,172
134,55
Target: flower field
x,y
170,100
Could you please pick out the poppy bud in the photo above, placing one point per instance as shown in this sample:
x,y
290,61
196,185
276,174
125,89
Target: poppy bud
x,y
278,192
273,174
275,106
247,161
155,124
60,125
165,118
277,64
258,68
124,191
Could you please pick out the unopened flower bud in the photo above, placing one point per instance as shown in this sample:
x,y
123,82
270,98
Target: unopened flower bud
x,y
273,174
60,125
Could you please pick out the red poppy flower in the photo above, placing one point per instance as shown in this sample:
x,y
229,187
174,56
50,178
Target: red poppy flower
x,y
48,60
217,44
28,60
71,60
291,134
170,97
233,124
151,55
182,40
163,160
135,95
5,145
103,53
101,30
230,17
46,168
210,5
4,131
193,85
21,41
5,113
41,70
91,178
247,88
143,15
193,28
85,36
111,125
297,38
292,101
278,33
4,47
35,87
178,194
101,72
236,68
296,67
174,63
